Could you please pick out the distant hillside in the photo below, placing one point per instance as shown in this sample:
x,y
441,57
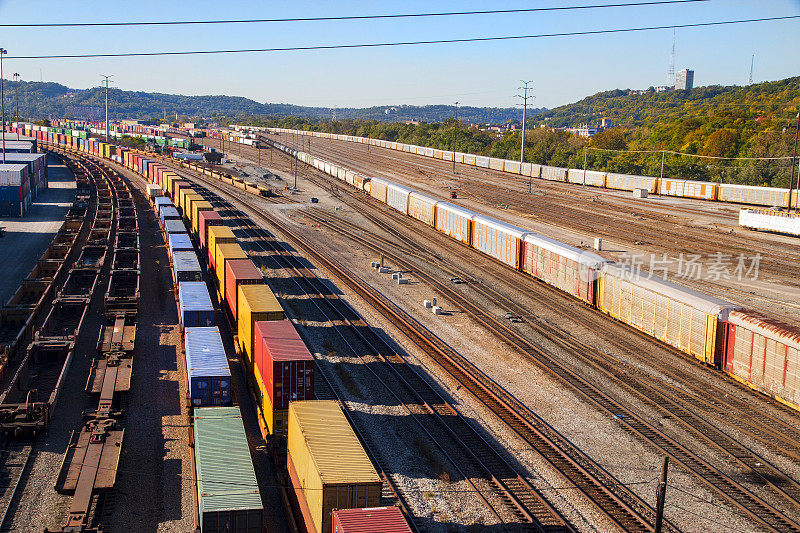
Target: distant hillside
x,y
39,100
625,107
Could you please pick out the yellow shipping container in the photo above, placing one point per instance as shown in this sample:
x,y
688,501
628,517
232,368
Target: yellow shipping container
x,y
223,252
182,194
329,468
276,420
197,207
218,235
188,200
256,303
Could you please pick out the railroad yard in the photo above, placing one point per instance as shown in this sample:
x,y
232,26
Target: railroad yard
x,y
248,285
474,395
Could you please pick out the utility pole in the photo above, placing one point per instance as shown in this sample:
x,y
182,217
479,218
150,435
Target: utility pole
x,y
455,133
524,97
585,151
3,51
661,496
16,97
106,79
794,164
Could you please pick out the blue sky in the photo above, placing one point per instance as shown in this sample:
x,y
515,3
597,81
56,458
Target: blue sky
x,y
562,69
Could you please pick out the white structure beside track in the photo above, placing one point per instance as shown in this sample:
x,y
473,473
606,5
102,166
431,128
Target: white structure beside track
x,y
770,220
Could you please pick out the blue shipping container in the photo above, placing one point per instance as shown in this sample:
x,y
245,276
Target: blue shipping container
x,y
169,212
185,265
194,304
174,226
179,242
162,201
207,367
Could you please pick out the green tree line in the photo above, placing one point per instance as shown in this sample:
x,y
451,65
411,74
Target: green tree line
x,y
757,121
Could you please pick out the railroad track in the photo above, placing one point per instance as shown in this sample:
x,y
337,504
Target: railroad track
x,y
15,458
618,502
746,502
555,205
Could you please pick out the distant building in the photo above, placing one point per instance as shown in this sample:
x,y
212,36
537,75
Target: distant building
x,y
684,80
663,88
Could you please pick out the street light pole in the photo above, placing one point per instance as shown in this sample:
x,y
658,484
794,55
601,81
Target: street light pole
x,y
3,51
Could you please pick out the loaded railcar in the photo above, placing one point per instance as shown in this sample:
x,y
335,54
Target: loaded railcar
x,y
566,268
681,317
207,372
498,240
764,353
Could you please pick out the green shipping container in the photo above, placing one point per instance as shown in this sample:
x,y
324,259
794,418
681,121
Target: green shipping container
x,y
227,490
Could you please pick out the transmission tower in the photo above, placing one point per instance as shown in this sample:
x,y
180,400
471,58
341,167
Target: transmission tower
x,y
671,71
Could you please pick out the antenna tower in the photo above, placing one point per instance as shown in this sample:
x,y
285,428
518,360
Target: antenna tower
x,y
671,71
752,59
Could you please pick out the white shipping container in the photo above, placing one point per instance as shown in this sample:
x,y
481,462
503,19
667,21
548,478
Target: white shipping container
x,y
13,174
770,220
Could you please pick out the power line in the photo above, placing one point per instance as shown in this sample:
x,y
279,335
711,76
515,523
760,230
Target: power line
x,y
411,43
347,17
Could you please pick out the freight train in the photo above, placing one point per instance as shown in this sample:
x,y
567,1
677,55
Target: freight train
x,y
703,190
311,434
754,349
757,350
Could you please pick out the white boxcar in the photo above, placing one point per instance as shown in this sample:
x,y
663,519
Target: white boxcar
x,y
496,163
498,239
470,159
679,316
565,267
482,161
687,188
447,155
397,197
427,152
770,220
751,194
422,207
455,221
629,182
512,166
378,189
595,178
553,173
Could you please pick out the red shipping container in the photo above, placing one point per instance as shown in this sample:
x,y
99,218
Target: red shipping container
x,y
371,520
239,272
285,365
206,219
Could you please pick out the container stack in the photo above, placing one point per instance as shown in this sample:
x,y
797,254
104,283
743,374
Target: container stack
x,y
15,189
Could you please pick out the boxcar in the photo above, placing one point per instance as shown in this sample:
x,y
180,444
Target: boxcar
x,y
764,353
749,194
455,221
397,197
595,178
760,218
702,190
569,269
497,239
629,182
378,189
553,173
679,316
422,207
